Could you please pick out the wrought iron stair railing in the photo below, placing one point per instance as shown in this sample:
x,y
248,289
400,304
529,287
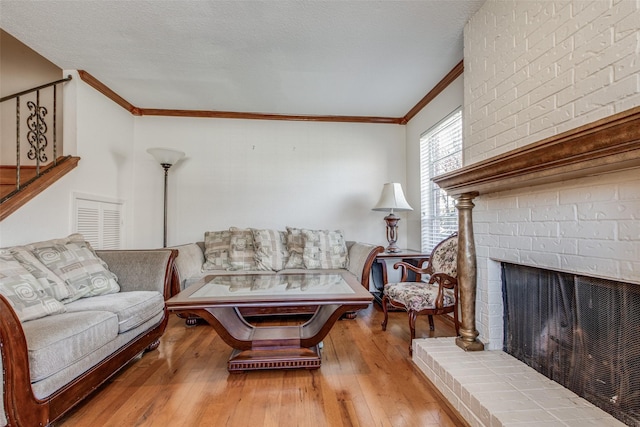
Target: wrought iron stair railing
x,y
37,149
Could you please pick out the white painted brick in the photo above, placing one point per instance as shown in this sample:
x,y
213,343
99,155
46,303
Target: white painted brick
x,y
610,250
515,242
485,216
599,230
497,202
540,259
629,271
554,213
548,198
503,254
487,240
552,119
628,25
628,102
629,230
629,64
562,85
501,126
618,210
555,245
503,229
597,267
538,229
515,215
587,118
591,193
590,82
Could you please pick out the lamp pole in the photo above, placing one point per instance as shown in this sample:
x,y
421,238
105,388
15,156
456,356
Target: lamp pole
x,y
166,167
166,158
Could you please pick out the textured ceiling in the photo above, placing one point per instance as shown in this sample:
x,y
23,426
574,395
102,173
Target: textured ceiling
x,y
352,58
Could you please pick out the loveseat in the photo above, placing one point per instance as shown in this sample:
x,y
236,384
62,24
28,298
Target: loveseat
x,y
70,318
237,251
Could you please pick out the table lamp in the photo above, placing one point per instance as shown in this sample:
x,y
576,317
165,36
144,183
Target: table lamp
x,y
392,200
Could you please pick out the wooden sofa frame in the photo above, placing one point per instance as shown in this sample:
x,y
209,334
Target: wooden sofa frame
x,y
22,408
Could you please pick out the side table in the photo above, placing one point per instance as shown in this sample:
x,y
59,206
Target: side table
x,y
379,268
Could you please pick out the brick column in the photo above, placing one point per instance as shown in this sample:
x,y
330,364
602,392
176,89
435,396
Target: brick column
x,y
467,274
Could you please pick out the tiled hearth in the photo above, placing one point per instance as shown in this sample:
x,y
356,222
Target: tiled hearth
x,y
493,389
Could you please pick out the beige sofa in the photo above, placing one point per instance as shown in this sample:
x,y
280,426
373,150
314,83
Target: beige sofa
x,y
70,318
272,252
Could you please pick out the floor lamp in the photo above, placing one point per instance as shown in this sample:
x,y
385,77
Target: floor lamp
x,y
392,199
166,158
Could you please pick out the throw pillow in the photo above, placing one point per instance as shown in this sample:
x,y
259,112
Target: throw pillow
x,y
73,260
52,284
271,249
295,246
242,255
23,291
216,250
324,249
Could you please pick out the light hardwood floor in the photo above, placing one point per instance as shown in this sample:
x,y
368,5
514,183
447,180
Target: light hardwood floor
x,y
367,379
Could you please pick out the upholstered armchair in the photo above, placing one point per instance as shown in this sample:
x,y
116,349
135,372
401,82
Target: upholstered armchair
x,y
435,293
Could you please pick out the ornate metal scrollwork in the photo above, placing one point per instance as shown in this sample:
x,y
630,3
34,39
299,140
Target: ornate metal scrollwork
x,y
37,130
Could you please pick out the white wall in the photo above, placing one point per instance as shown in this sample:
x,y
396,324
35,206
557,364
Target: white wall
x,y
101,133
447,101
534,69
265,174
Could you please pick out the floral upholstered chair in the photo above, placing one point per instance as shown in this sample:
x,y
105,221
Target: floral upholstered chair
x,y
435,293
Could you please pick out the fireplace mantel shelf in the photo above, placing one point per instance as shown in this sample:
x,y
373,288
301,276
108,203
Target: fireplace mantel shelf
x,y
607,145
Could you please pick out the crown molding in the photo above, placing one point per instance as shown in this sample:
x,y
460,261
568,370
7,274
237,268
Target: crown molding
x,y
137,111
433,93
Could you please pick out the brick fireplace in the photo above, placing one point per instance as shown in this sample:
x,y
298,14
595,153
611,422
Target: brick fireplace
x,y
551,180
568,203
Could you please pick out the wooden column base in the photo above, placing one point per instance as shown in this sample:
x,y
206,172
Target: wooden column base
x,y
474,345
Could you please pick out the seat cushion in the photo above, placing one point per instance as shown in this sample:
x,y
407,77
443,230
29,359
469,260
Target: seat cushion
x,y
58,341
417,296
132,308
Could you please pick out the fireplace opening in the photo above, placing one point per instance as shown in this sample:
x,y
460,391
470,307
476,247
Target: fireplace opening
x,y
581,332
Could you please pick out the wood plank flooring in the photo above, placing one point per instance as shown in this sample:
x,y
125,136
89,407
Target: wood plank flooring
x,y
367,379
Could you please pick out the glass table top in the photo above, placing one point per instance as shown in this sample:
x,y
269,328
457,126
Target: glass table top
x,y
281,285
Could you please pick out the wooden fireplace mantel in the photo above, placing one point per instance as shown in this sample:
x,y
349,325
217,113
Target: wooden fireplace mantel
x,y
607,145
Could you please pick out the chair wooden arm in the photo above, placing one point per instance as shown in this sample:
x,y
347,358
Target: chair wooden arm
x,y
406,267
444,281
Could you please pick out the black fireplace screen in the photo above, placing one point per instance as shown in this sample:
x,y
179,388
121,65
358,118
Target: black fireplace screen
x,y
581,332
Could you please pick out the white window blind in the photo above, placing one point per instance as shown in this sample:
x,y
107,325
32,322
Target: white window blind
x,y
440,152
100,222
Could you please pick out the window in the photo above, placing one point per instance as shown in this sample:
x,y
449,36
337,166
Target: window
x,y
440,152
99,221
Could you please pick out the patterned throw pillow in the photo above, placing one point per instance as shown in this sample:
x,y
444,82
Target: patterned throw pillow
x,y
23,291
216,250
73,260
52,284
324,249
271,249
242,255
295,246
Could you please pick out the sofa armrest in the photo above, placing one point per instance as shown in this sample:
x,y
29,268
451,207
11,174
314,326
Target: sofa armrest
x,y
188,263
361,258
18,401
142,270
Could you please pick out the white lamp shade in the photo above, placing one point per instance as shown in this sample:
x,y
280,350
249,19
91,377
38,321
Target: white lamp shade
x,y
392,199
164,156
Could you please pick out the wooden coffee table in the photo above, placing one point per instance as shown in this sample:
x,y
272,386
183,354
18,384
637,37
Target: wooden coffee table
x,y
217,299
